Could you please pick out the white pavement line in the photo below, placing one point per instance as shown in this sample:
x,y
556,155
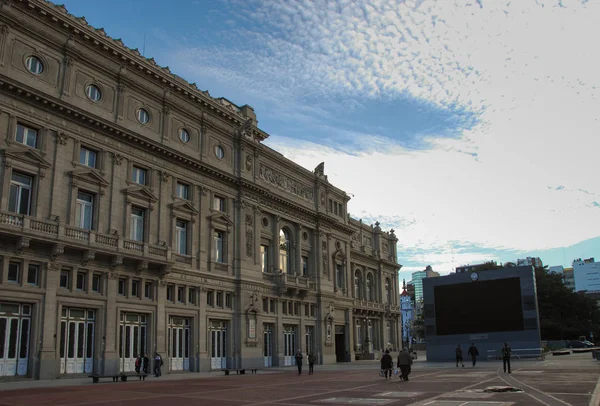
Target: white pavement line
x,y
596,395
538,392
327,393
429,400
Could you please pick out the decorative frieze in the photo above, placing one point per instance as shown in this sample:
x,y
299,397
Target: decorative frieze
x,y
283,182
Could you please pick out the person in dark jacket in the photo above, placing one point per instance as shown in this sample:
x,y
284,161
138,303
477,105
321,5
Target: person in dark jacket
x,y
138,364
404,363
145,363
387,364
311,363
473,352
299,357
158,363
459,356
506,351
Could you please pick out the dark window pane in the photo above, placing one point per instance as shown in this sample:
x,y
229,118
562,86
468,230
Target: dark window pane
x,y
80,340
12,343
90,341
63,330
3,322
71,345
24,338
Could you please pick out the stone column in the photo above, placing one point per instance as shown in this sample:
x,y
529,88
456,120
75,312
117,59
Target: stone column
x,y
298,250
111,339
160,344
203,350
49,337
275,244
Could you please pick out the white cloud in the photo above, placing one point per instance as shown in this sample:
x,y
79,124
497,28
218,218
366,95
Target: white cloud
x,y
528,68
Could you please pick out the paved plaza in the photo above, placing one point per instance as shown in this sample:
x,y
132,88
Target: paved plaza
x,y
568,380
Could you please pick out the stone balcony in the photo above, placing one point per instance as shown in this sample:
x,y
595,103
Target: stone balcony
x,y
291,284
89,241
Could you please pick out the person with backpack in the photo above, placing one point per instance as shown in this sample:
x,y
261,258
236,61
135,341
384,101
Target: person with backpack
x,y
459,356
311,363
387,363
506,351
158,363
473,352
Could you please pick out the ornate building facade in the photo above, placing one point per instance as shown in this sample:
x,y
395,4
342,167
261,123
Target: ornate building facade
x,y
139,214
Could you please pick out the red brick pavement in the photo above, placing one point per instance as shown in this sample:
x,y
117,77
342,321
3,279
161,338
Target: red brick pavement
x,y
286,388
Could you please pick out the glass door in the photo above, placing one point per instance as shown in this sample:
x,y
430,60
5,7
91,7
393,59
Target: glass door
x,y
218,343
15,325
179,344
77,341
289,345
132,331
268,345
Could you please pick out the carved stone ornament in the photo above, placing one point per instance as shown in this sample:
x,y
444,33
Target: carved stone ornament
x,y
113,275
249,219
88,255
325,270
116,261
57,250
249,242
118,159
53,266
322,198
165,176
162,283
249,163
62,138
22,243
283,182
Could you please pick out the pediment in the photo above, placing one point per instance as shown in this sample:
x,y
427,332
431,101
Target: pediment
x,y
28,155
339,255
184,205
89,175
141,192
219,216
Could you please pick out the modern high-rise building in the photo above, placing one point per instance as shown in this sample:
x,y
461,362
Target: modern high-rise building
x,y
138,214
586,274
417,278
569,278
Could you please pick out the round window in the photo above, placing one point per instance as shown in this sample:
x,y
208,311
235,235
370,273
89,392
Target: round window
x,y
305,236
34,65
143,116
93,92
219,152
265,222
184,135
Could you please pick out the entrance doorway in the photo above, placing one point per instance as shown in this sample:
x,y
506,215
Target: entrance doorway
x,y
15,326
268,345
289,345
77,328
340,344
218,344
132,329
179,344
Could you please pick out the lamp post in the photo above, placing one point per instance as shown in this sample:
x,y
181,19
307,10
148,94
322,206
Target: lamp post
x,y
366,348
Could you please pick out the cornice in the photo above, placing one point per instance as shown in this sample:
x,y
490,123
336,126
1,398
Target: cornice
x,y
79,28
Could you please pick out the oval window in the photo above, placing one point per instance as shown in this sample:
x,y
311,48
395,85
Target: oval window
x,y
184,135
219,152
143,116
34,65
93,93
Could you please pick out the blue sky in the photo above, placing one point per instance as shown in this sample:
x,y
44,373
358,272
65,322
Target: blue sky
x,y
469,127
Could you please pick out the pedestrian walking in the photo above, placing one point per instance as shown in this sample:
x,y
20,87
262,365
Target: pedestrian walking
x,y
506,352
387,363
158,363
138,364
299,357
473,352
311,363
459,356
404,363
145,363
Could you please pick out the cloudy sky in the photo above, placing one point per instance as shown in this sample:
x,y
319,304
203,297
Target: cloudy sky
x,y
470,127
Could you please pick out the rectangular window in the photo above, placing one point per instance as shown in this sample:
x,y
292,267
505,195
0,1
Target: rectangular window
x,y
330,205
148,290
122,284
305,266
209,298
87,157
296,309
96,281
80,283
290,308
228,301
219,203
312,310
306,310
219,246
65,279
171,293
14,272
264,257
183,191
265,305
85,209
339,276
137,224
180,294
26,136
219,299
181,236
135,288
284,306
19,200
192,296
33,275
272,307
335,207
138,175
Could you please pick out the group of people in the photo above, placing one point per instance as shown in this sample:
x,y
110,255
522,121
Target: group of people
x,y
474,353
311,362
403,363
142,361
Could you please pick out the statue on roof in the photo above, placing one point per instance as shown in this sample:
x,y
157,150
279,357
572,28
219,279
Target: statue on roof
x,y
320,169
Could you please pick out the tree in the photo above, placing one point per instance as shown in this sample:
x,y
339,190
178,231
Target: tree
x,y
418,327
564,315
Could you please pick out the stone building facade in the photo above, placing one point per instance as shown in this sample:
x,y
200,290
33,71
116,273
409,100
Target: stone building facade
x,y
139,214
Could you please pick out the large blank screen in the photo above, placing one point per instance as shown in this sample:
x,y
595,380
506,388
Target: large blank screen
x,y
479,307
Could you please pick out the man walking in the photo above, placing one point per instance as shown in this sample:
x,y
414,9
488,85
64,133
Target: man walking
x,y
404,362
506,351
473,353
311,363
459,356
386,364
158,363
299,357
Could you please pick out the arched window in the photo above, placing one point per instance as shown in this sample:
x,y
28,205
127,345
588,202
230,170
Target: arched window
x,y
369,287
388,290
284,251
357,285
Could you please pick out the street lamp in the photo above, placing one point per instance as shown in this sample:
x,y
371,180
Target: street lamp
x,y
366,348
